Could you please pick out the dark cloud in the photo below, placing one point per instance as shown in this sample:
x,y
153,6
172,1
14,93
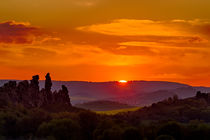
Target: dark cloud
x,y
38,53
18,33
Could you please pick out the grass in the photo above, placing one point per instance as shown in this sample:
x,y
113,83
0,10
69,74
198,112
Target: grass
x,y
113,112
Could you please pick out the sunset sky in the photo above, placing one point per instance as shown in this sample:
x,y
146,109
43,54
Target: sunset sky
x,y
106,40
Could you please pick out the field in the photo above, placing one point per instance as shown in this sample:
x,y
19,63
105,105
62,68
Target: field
x,y
113,112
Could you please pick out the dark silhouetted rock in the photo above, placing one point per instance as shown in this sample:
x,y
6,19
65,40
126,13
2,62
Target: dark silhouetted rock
x,y
202,95
48,92
48,82
34,90
29,95
65,95
23,92
10,88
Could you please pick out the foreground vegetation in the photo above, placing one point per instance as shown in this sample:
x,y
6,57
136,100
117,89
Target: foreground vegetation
x,y
50,116
21,123
172,119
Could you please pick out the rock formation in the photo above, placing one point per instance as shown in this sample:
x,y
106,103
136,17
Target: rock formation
x,y
64,95
47,93
22,91
29,94
34,90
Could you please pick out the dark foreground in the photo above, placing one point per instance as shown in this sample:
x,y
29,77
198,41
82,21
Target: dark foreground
x,y
46,115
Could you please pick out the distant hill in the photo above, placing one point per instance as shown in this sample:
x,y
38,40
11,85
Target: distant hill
x,y
143,99
133,93
103,106
147,98
182,110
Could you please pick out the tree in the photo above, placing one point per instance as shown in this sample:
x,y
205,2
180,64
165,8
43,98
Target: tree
x,y
164,137
198,94
131,134
172,129
61,129
88,123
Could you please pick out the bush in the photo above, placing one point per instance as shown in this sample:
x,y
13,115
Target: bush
x,y
111,134
132,134
172,129
164,137
198,130
9,125
88,123
63,129
105,129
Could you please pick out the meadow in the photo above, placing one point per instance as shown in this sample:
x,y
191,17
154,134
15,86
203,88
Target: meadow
x,y
114,112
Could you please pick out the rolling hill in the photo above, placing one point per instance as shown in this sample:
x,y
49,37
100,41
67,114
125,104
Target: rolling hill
x,y
103,106
134,93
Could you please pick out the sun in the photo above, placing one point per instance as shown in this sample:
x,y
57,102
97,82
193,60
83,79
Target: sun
x,y
123,81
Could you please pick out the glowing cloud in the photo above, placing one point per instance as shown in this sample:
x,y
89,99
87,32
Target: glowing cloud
x,y
18,32
129,27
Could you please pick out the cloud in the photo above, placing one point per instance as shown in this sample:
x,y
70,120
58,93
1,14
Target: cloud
x,y
144,44
38,53
74,54
151,49
133,27
192,44
18,32
151,37
131,50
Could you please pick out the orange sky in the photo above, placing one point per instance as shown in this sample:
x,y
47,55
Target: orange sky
x,y
106,40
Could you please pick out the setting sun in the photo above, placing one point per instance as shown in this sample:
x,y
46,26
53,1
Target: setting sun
x,y
123,81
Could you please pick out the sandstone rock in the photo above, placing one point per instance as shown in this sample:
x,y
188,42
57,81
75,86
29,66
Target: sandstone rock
x,y
29,95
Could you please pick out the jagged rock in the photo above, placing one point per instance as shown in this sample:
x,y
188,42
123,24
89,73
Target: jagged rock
x,y
48,82
22,91
64,95
29,95
6,94
34,90
48,92
10,88
35,83
43,98
11,85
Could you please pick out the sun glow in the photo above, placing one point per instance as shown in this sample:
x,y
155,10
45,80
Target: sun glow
x,y
123,81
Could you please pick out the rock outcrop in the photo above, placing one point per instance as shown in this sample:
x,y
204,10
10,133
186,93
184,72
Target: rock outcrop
x,y
29,94
48,97
34,91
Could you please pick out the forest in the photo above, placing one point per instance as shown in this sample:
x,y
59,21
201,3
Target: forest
x,y
28,113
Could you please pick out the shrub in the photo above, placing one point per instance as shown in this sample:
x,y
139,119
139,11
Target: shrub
x,y
62,129
164,137
132,134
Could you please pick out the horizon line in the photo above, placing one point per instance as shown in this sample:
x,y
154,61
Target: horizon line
x,y
110,81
